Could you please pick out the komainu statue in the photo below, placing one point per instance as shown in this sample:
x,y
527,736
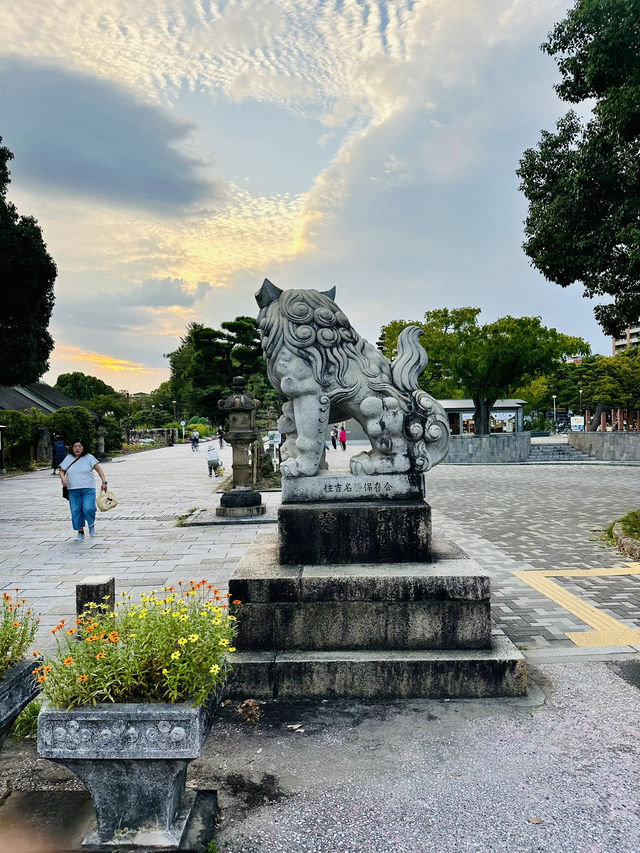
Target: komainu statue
x,y
329,373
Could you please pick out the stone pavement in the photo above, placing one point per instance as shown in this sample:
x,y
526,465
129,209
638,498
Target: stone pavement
x,y
516,518
555,772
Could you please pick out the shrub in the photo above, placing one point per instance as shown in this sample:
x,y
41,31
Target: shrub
x,y
18,626
20,435
73,422
165,649
112,434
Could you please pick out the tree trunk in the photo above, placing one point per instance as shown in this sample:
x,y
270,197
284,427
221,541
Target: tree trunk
x,y
481,416
594,423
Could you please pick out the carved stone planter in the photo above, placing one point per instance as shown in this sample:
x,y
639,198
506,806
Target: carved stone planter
x,y
17,689
133,760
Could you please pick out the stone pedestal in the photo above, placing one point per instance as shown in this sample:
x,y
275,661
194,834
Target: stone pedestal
x,y
355,532
241,502
372,631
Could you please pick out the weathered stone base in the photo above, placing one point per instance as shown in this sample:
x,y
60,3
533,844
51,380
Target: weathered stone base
x,y
395,606
381,675
369,631
355,532
240,511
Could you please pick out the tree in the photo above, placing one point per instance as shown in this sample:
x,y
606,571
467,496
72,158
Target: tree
x,y
28,273
491,361
79,386
583,181
206,361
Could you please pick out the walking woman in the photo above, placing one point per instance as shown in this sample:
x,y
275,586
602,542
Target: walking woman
x,y
76,473
342,437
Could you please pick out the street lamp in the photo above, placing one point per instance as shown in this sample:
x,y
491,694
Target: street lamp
x,y
555,424
2,468
580,392
173,403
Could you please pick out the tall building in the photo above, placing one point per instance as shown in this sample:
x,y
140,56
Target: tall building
x,y
631,338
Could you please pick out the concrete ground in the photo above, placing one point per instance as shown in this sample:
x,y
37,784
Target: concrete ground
x,y
554,772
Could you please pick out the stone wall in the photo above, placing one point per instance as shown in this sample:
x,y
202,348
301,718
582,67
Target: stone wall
x,y
488,449
608,446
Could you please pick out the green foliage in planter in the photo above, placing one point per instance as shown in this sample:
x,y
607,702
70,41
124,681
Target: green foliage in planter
x,y
26,724
18,626
169,648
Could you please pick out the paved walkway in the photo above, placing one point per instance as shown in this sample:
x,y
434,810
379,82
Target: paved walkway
x,y
540,521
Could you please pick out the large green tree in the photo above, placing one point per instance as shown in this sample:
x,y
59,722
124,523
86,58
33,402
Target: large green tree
x,y
606,382
79,386
582,182
27,272
486,362
206,361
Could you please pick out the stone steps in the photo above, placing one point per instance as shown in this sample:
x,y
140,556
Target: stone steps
x,y
556,453
381,675
369,631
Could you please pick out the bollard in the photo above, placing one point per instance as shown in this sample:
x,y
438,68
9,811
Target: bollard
x,y
96,588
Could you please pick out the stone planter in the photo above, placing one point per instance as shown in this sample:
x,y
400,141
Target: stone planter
x,y
133,760
17,689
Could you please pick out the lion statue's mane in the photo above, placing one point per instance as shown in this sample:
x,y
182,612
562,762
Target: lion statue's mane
x,y
354,379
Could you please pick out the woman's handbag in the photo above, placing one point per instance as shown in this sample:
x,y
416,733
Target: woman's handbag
x,y
106,501
65,489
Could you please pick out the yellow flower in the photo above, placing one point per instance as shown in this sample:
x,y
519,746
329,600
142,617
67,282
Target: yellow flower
x,y
232,648
215,669
16,624
165,671
68,661
182,641
82,678
184,617
100,656
142,614
175,656
193,638
223,642
175,615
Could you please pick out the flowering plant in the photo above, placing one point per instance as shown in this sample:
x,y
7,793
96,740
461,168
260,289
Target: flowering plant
x,y
18,626
168,648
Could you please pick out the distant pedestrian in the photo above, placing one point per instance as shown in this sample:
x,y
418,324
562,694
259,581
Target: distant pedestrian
x,y
221,437
342,438
213,459
59,451
76,473
334,436
195,440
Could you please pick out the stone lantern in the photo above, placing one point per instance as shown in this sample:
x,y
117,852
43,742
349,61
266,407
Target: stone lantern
x,y
242,500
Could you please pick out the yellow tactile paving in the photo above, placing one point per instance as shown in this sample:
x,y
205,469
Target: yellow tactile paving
x,y
608,631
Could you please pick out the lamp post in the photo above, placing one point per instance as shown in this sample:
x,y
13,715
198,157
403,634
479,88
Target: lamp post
x,y
555,424
580,392
173,403
2,468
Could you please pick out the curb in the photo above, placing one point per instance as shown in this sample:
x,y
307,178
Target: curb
x,y
628,546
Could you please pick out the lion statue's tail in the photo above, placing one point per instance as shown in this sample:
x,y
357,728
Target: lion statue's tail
x,y
411,360
426,425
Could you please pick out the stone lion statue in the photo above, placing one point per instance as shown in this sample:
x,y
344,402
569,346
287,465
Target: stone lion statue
x,y
329,373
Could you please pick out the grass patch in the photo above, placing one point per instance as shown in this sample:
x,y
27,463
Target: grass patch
x,y
182,518
631,524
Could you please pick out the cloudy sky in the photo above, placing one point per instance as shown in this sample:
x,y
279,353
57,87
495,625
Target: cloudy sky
x,y
177,152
